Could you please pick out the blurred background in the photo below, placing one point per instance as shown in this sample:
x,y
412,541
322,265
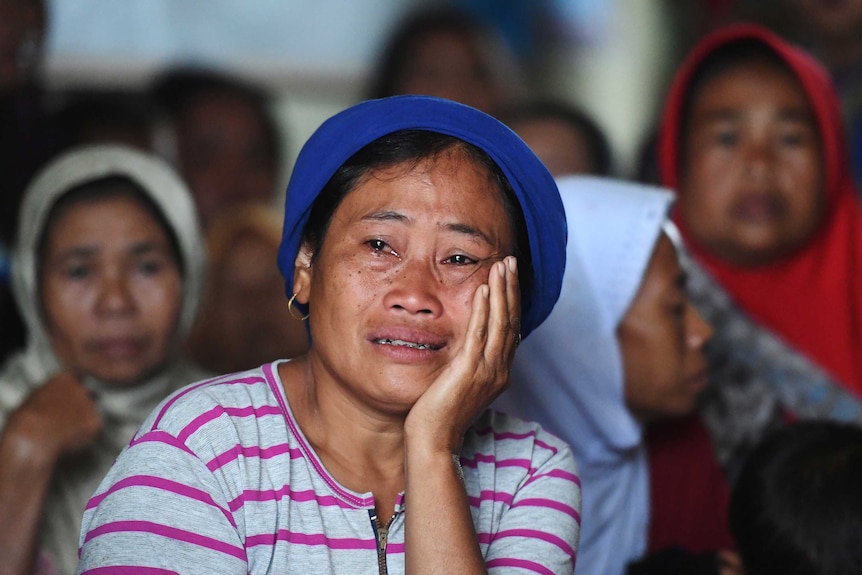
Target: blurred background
x,y
611,57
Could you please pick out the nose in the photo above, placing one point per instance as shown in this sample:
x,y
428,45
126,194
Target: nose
x,y
760,159
415,288
115,295
698,330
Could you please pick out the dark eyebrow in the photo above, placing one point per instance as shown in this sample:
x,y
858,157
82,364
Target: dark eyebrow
x,y
797,115
141,248
146,247
469,231
76,252
384,216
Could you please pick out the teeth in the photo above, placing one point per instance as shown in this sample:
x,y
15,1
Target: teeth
x,y
403,343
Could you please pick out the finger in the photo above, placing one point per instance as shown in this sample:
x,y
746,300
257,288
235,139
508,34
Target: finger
x,y
498,319
477,328
513,297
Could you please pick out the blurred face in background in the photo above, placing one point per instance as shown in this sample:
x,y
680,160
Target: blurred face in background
x,y
562,148
661,338
751,188
110,289
225,155
451,65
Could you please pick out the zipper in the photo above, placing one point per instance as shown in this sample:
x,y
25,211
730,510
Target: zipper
x,y
381,535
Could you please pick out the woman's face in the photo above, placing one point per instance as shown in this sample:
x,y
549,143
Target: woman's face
x,y
111,290
390,290
661,338
751,188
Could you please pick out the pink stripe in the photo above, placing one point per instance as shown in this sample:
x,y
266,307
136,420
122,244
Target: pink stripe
x,y
251,451
547,446
317,539
491,496
550,504
163,437
519,563
251,380
556,474
504,434
219,410
162,485
278,494
513,435
528,534
128,570
168,533
483,458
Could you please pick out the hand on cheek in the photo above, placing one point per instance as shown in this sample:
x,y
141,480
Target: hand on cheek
x,y
479,372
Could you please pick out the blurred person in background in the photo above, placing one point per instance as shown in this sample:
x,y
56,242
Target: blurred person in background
x,y
27,138
447,53
566,138
108,265
622,349
222,137
751,139
244,321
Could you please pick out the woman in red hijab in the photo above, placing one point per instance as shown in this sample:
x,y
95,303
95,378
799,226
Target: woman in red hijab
x,y
751,139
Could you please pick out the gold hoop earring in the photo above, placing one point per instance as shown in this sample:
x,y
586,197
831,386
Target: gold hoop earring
x,y
292,312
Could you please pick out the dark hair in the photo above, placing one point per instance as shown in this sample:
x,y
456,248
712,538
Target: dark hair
x,y
409,148
598,147
176,91
99,189
734,55
796,508
400,49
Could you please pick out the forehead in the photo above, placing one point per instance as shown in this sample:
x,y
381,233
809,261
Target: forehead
x,y
111,216
747,83
452,184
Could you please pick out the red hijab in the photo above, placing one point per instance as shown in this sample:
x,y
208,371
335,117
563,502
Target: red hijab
x,y
811,299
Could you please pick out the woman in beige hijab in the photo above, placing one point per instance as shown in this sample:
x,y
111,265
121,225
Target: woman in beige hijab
x,y
106,273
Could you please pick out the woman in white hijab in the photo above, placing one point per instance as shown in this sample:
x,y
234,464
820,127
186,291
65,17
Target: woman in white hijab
x,y
107,269
621,348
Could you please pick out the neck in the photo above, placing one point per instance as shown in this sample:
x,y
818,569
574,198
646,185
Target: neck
x,y
363,449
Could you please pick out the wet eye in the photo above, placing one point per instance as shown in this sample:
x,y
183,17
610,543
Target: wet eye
x,y
459,260
379,246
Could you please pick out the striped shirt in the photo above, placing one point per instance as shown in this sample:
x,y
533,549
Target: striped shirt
x,y
220,479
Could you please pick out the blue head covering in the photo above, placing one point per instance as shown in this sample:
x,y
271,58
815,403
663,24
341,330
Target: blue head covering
x,y
344,134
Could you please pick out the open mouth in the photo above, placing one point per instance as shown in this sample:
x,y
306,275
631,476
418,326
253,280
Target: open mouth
x,y
410,344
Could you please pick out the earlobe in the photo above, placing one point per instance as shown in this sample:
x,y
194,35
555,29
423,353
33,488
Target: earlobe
x,y
302,273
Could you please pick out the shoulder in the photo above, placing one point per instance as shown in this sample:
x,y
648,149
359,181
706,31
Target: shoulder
x,y
517,445
217,404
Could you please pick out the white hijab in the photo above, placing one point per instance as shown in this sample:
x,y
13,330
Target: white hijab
x,y
123,409
568,375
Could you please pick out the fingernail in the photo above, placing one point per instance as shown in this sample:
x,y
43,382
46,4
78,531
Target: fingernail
x,y
512,262
501,269
486,290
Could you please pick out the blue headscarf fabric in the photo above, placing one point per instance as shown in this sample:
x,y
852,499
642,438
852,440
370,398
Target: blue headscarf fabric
x,y
344,134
